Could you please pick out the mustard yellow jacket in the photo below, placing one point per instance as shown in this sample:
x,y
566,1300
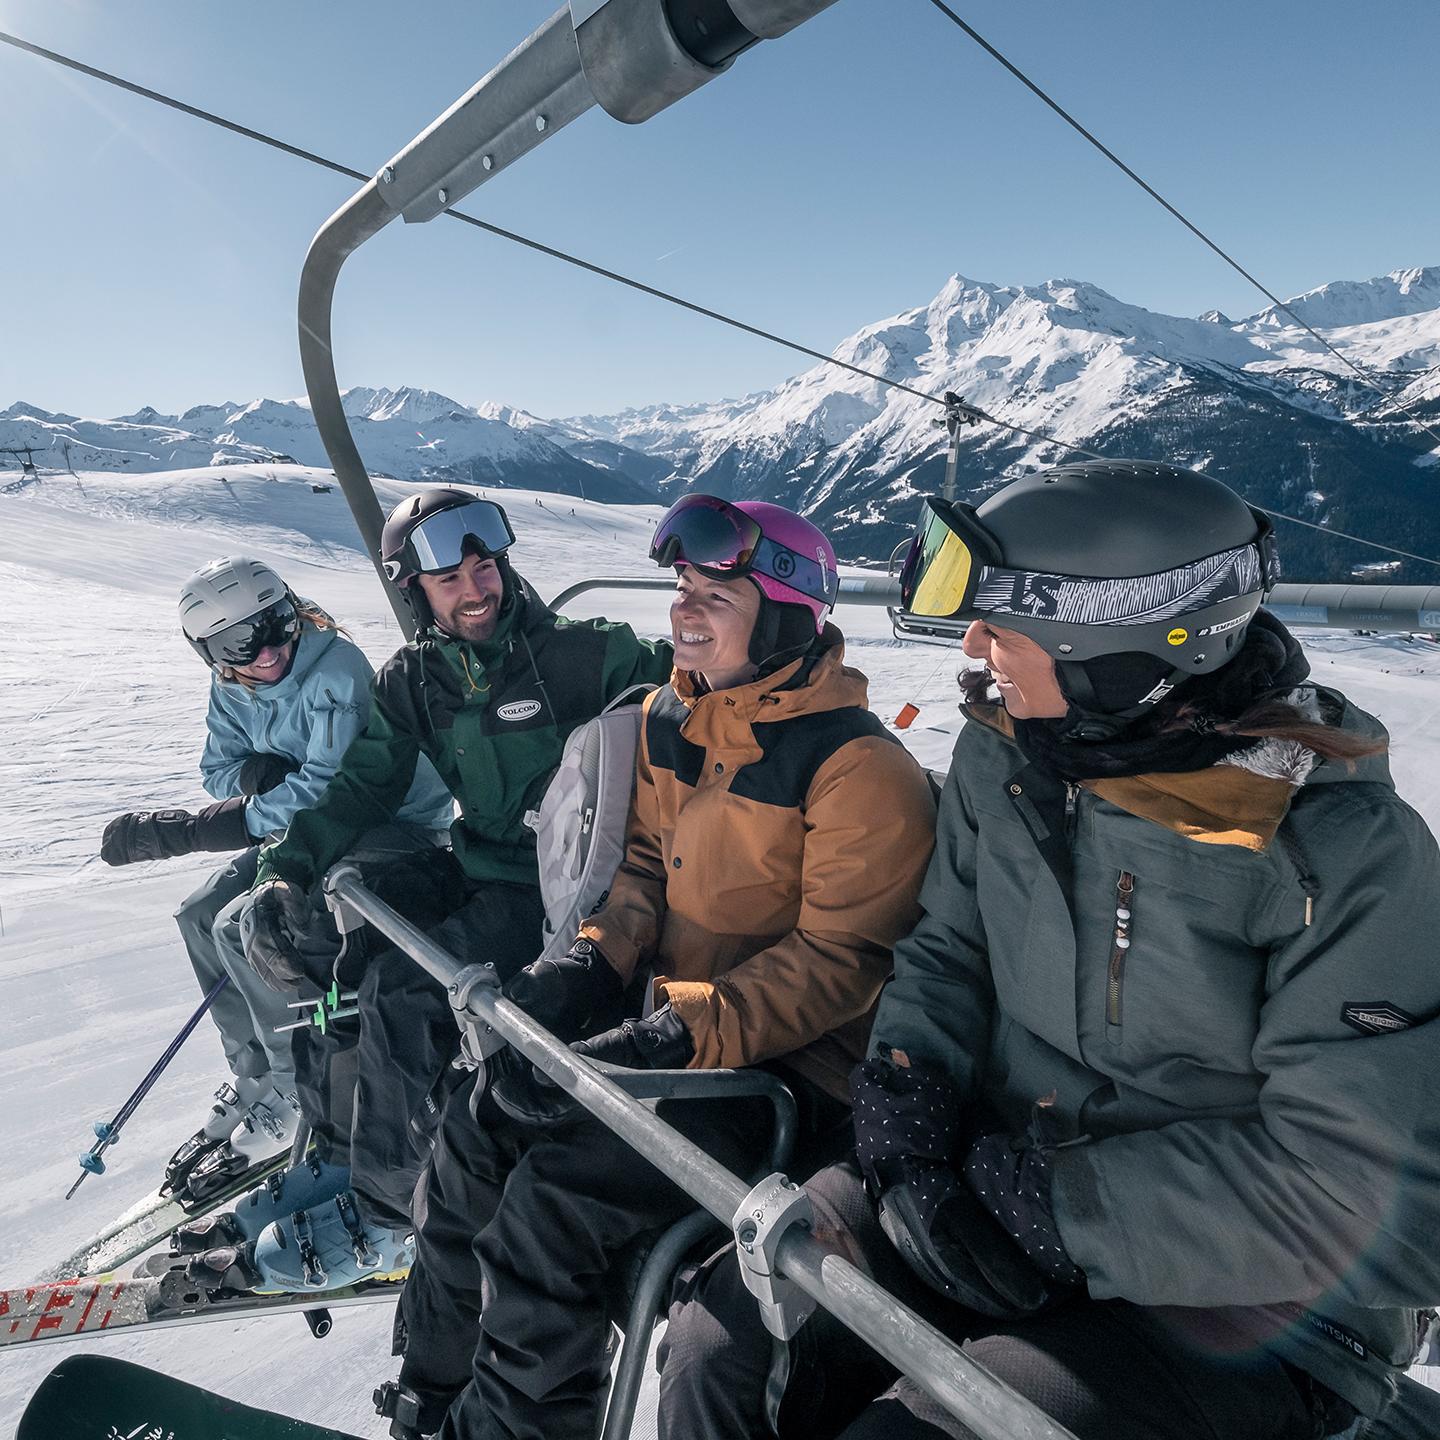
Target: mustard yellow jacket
x,y
778,837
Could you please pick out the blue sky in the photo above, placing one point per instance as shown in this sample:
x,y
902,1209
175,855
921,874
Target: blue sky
x,y
830,179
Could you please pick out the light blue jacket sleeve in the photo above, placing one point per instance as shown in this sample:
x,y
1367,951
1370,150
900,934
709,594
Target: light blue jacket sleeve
x,y
333,705
227,748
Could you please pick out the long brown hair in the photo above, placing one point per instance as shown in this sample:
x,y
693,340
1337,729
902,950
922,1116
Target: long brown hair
x,y
308,611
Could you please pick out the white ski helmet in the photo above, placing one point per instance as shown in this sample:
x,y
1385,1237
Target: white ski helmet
x,y
233,607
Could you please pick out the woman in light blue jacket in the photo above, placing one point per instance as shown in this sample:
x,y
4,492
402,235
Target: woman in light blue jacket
x,y
288,692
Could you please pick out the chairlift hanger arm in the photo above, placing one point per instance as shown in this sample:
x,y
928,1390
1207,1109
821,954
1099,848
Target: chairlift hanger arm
x,y
632,57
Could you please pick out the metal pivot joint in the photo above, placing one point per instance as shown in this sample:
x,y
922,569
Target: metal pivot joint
x,y
478,1038
347,919
761,1223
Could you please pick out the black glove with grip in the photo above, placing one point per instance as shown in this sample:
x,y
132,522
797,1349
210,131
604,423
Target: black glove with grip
x,y
163,834
516,1088
271,928
264,771
569,995
660,1041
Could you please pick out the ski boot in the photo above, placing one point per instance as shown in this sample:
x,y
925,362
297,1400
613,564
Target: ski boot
x,y
327,1247
302,1186
266,1129
225,1115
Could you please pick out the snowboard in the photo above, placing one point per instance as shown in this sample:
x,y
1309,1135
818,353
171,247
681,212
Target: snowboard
x,y
94,1397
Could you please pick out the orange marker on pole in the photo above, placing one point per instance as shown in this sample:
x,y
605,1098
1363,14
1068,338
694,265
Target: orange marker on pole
x,y
907,715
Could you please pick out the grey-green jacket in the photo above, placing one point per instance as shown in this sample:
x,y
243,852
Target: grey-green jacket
x,y
1245,1092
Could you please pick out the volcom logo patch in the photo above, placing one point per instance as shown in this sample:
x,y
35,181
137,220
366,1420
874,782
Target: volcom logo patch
x,y
1376,1017
519,710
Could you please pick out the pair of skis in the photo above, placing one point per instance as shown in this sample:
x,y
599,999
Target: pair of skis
x,y
83,1295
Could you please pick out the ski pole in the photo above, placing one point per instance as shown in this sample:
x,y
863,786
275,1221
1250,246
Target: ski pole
x,y
108,1132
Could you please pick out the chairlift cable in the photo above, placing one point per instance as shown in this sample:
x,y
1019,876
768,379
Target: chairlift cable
x,y
1155,195
315,159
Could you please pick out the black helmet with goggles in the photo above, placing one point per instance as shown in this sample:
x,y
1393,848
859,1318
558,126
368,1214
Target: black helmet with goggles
x,y
1094,559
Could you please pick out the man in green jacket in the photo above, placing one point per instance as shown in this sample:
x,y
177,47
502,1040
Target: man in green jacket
x,y
1141,1124
489,692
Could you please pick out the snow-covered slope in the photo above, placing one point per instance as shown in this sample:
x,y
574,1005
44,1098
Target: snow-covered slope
x,y
102,710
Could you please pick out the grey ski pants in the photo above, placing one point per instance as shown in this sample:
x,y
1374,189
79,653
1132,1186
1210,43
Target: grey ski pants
x,y
247,1010
1107,1370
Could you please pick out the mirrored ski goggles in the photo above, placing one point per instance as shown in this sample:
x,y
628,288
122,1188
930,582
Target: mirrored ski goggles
x,y
438,542
725,543
242,642
954,572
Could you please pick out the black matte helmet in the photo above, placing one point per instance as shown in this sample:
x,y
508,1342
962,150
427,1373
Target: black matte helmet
x,y
432,531
1105,558
416,542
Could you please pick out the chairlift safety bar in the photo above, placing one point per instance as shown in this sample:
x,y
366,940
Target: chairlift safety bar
x,y
988,1406
1387,609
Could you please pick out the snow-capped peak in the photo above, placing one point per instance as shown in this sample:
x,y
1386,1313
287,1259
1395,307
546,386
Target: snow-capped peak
x,y
1361,302
406,403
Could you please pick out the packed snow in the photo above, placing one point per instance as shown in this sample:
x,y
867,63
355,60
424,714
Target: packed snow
x,y
102,708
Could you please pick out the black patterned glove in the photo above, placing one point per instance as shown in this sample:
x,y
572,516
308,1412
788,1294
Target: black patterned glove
x,y
1011,1180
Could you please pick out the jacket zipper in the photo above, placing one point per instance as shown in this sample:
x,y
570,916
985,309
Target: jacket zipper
x,y
1119,948
1072,803
330,721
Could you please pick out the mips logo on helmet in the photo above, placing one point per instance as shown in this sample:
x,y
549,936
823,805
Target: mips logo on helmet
x,y
1178,636
519,710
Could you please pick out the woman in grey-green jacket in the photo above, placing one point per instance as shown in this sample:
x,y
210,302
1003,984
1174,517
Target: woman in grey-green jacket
x,y
1146,1100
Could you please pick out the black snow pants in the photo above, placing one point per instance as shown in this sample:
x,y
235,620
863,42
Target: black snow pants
x,y
1107,1370
520,1232
394,1055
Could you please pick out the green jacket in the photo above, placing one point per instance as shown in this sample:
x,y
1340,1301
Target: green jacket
x,y
1244,1093
492,719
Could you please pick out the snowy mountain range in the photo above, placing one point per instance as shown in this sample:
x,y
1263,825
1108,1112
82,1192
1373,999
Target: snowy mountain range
x,y
1258,402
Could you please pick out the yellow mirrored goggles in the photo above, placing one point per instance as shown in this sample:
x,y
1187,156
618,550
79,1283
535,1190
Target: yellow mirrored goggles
x,y
946,556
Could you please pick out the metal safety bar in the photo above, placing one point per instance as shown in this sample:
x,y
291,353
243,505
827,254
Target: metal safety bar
x,y
854,589
1388,609
966,1389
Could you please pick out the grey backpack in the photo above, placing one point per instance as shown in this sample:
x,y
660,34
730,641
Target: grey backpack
x,y
580,824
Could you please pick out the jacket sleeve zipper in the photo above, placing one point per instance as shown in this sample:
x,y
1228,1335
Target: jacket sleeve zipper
x,y
330,721
1119,947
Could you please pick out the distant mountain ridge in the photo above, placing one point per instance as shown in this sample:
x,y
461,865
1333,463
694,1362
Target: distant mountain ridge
x,y
1257,402
406,433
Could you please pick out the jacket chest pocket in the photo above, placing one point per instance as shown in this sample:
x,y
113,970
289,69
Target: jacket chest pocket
x,y
1181,986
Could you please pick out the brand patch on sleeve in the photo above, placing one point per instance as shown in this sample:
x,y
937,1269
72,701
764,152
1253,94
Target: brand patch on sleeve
x,y
1376,1017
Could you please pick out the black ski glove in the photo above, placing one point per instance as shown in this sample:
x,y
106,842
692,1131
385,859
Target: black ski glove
x,y
659,1042
525,1093
265,771
522,1092
271,928
1011,1179
907,1134
569,995
162,834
